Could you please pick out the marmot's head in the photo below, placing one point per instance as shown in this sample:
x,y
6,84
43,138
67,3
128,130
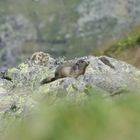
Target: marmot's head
x,y
81,65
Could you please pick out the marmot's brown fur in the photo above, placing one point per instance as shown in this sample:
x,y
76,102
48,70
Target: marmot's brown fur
x,y
68,70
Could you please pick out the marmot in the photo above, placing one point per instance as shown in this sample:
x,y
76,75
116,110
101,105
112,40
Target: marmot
x,y
68,70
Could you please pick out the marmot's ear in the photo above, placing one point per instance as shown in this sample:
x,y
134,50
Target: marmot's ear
x,y
77,64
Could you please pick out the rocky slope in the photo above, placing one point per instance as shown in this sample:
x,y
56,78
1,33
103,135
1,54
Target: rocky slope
x,y
20,88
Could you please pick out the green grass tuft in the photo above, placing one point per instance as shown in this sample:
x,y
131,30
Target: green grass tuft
x,y
97,118
130,41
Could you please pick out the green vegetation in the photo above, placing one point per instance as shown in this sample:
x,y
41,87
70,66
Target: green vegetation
x,y
130,41
123,44
126,49
95,118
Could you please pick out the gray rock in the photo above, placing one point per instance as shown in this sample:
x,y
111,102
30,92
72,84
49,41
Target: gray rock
x,y
99,74
104,75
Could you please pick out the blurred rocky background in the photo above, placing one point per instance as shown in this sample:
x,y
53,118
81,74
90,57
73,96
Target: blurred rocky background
x,y
71,28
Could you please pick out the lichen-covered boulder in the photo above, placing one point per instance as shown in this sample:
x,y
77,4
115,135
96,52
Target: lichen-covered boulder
x,y
30,73
106,73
